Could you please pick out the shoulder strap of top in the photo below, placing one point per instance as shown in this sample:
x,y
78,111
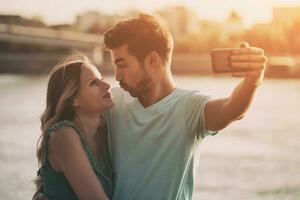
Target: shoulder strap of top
x,y
51,129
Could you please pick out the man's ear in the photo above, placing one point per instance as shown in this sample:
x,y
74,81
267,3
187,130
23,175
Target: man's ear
x,y
153,58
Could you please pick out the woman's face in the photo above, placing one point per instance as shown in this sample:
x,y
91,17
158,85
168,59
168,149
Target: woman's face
x,y
94,95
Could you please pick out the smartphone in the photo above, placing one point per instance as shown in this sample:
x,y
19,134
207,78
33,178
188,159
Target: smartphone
x,y
220,60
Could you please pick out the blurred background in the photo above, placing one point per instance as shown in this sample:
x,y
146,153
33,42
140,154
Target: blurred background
x,y
256,158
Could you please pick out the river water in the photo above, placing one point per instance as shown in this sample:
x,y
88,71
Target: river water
x,y
256,158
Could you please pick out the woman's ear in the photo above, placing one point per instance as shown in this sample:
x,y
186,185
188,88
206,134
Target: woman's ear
x,y
75,103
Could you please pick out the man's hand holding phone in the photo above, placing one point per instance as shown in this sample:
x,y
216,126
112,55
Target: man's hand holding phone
x,y
248,62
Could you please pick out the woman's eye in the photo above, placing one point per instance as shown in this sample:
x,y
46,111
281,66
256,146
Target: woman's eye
x,y
93,82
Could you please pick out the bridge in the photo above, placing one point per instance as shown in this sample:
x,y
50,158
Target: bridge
x,y
48,37
38,61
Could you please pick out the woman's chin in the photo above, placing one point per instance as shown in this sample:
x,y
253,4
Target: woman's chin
x,y
112,104
108,105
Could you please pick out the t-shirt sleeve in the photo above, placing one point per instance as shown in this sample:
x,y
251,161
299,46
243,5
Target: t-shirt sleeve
x,y
195,116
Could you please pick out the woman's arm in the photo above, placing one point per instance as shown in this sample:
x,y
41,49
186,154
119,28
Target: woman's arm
x,y
69,156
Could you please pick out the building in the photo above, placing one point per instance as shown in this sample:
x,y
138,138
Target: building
x,y
19,20
286,17
233,25
180,20
95,22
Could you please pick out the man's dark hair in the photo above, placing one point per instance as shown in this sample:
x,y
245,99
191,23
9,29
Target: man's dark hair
x,y
142,34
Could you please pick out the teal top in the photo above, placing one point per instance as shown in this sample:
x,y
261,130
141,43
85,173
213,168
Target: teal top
x,y
55,184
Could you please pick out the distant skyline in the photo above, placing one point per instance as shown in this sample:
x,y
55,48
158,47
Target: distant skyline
x,y
65,11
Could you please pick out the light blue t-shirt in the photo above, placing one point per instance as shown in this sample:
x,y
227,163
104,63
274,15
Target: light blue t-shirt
x,y
153,148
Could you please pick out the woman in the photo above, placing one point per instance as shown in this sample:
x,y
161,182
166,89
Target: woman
x,y
73,152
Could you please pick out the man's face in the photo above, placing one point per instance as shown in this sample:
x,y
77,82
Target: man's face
x,y
129,72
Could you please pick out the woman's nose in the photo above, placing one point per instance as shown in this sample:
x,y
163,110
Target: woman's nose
x,y
105,85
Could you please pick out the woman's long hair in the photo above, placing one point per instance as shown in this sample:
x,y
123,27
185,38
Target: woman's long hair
x,y
62,87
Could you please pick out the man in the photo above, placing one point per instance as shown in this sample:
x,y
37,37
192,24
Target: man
x,y
155,127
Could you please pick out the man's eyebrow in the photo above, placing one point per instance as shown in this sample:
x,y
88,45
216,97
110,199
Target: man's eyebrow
x,y
118,60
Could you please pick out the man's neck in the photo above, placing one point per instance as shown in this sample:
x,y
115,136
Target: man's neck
x,y
159,89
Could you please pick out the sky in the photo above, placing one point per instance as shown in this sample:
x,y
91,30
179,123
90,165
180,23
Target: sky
x,y
65,11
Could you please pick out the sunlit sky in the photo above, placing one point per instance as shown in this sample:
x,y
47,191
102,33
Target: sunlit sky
x,y
64,11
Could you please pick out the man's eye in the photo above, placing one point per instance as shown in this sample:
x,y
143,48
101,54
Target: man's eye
x,y
122,66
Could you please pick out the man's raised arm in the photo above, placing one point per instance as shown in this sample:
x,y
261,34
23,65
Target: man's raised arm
x,y
220,113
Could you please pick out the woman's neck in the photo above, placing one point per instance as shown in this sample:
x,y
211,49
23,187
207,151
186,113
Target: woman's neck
x,y
88,124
